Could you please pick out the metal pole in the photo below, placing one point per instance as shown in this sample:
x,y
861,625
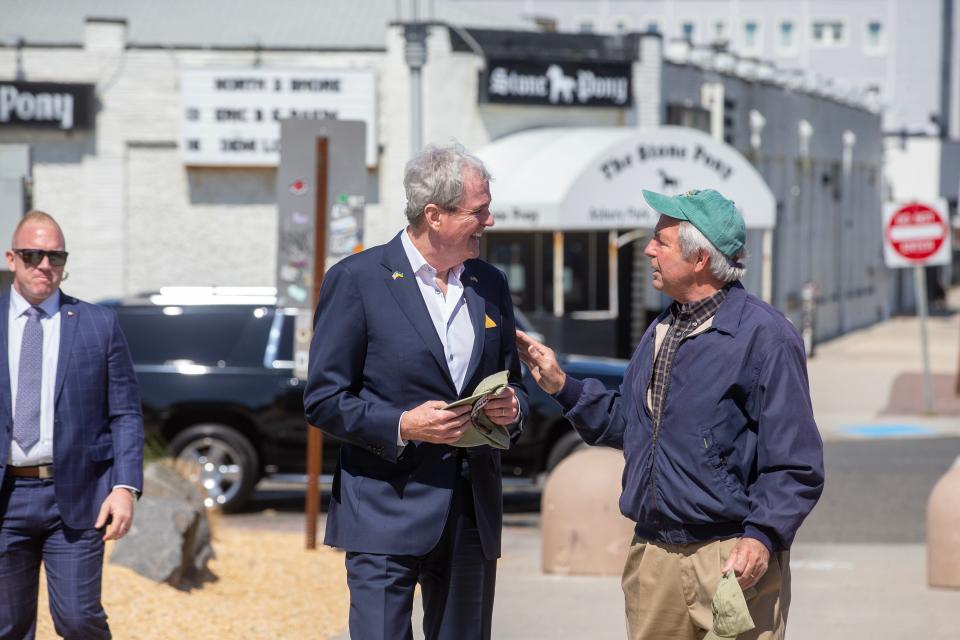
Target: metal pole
x,y
415,53
920,284
314,469
314,435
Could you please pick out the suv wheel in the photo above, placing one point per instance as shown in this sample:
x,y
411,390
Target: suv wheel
x,y
564,446
221,460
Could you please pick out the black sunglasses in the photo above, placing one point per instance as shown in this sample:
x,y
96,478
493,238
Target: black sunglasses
x,y
33,257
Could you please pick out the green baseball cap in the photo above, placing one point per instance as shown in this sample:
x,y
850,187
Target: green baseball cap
x,y
483,430
713,215
730,613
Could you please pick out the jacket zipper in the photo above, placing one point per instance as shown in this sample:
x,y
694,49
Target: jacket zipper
x,y
652,484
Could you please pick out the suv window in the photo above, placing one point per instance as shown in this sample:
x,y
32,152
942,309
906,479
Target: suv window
x,y
202,334
285,346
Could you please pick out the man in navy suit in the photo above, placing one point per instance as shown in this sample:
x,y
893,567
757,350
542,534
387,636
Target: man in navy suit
x,y
402,330
71,440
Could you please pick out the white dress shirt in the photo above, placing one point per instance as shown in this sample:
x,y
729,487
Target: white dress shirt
x,y
449,313
42,451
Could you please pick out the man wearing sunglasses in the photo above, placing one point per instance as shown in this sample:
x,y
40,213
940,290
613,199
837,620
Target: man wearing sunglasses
x,y
71,440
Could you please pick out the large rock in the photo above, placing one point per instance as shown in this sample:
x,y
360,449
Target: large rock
x,y
170,538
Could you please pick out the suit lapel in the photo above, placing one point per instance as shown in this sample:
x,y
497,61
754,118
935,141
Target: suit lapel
x,y
5,354
477,306
406,292
68,330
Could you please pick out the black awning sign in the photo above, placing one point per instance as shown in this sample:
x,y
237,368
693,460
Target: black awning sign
x,y
48,105
557,84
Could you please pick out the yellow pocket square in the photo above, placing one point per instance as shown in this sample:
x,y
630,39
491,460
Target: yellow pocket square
x,y
488,322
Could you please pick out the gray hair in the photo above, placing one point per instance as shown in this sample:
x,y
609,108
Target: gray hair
x,y
723,268
435,175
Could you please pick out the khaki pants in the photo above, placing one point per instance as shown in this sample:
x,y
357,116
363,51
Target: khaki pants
x,y
667,590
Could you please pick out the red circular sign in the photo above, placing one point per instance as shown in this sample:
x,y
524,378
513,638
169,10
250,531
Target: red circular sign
x,y
916,231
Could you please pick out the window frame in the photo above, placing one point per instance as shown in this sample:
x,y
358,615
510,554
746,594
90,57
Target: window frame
x,y
832,43
579,22
880,48
793,48
757,46
693,22
625,20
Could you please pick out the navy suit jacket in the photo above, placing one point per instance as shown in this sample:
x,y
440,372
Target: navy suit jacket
x,y
376,354
98,425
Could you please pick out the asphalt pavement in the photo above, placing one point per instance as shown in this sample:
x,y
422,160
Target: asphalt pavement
x,y
859,562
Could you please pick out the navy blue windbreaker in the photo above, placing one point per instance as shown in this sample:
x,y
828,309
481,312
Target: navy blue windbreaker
x,y
737,451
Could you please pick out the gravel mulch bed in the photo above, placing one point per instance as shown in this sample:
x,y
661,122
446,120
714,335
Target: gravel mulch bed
x,y
268,587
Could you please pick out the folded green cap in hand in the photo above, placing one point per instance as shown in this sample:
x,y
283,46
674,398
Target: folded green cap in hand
x,y
482,430
730,613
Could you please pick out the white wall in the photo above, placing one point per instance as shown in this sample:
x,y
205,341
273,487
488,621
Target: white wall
x,y
135,217
912,167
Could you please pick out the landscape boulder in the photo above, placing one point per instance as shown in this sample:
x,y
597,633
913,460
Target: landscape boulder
x,y
170,540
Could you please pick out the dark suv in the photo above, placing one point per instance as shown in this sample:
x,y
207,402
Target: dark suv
x,y
215,368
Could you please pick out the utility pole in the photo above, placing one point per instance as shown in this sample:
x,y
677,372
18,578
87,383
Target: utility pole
x,y
415,55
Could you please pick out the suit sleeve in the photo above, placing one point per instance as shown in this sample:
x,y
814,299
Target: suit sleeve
x,y
332,398
790,470
123,405
511,361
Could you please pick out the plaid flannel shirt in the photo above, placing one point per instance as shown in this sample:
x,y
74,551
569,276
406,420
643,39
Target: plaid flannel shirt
x,y
685,319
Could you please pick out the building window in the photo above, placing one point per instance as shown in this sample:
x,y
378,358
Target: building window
x,y
585,275
691,117
788,39
687,30
519,255
874,41
527,259
584,25
828,33
653,27
719,31
751,36
622,25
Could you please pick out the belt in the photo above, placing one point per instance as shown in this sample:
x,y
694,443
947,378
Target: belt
x,y
43,471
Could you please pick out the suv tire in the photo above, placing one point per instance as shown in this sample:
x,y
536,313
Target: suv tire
x,y
564,446
221,460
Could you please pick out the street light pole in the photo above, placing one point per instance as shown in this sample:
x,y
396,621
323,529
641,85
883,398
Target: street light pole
x,y
415,55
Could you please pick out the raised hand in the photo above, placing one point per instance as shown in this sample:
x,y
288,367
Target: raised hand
x,y
542,362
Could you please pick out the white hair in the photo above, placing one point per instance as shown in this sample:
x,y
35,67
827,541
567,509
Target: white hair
x,y
723,268
436,175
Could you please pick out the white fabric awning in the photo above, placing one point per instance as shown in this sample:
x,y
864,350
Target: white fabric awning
x,y
587,178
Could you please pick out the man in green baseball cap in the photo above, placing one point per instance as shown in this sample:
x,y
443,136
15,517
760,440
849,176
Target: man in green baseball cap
x,y
723,459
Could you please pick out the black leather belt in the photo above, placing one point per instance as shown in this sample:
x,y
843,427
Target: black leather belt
x,y
42,471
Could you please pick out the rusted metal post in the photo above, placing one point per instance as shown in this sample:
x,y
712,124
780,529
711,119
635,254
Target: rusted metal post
x,y
314,435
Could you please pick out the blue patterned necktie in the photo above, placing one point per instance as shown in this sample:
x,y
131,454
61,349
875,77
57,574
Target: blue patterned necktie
x,y
26,422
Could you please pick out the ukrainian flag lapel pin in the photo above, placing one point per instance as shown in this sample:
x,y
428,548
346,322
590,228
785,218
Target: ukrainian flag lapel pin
x,y
396,274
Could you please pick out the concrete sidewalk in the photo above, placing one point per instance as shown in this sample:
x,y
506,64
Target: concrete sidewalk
x,y
840,592
867,382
